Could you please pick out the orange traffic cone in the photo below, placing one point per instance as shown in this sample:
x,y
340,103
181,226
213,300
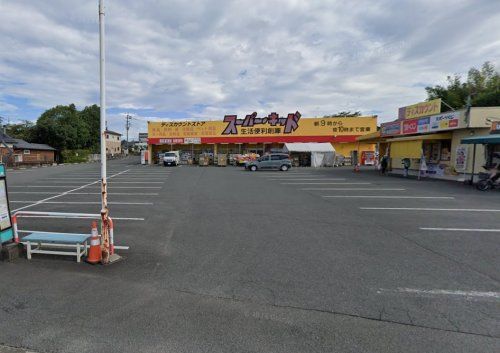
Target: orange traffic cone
x,y
95,254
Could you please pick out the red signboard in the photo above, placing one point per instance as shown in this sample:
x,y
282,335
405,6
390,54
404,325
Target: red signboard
x,y
410,126
255,139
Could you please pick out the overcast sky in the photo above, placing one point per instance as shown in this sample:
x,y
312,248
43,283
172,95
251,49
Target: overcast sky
x,y
207,58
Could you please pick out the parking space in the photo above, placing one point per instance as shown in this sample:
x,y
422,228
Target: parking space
x,y
324,257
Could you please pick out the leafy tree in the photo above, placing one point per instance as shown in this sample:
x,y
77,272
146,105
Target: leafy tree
x,y
24,130
344,114
91,116
65,128
482,85
59,127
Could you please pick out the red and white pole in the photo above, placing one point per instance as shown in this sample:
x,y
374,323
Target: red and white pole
x,y
14,227
111,237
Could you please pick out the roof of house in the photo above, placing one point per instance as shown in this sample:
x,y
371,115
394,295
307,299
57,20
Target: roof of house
x,y
23,145
113,132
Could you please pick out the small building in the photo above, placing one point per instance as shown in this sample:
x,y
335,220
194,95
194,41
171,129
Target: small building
x,y
437,139
17,152
113,143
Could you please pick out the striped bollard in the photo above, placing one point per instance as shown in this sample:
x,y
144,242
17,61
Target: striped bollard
x,y
111,237
14,226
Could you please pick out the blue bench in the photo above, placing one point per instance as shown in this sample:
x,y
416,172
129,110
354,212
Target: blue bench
x,y
46,240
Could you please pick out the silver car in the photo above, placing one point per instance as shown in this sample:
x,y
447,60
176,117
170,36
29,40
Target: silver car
x,y
279,161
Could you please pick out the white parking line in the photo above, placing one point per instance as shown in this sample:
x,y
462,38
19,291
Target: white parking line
x,y
65,193
265,175
390,197
62,183
325,183
440,292
92,179
462,230
86,202
130,187
92,176
355,189
87,186
117,193
114,218
302,179
85,193
430,209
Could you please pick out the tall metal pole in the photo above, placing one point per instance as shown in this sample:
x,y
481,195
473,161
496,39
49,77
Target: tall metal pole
x,y
102,88
127,127
105,244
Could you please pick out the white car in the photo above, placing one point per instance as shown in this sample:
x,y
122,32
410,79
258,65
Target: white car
x,y
171,158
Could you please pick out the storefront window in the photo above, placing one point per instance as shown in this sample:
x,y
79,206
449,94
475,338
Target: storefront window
x,y
492,154
435,152
446,150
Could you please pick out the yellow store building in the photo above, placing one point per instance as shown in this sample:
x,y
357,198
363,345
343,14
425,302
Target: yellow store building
x,y
253,134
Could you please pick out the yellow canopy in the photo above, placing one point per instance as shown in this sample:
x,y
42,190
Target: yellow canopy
x,y
411,146
443,136
374,137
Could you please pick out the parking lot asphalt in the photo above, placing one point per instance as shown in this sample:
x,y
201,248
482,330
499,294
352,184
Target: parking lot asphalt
x,y
224,260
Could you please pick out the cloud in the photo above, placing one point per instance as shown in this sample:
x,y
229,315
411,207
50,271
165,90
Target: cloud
x,y
205,59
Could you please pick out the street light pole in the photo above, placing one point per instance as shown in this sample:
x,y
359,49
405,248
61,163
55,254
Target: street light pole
x,y
105,241
102,72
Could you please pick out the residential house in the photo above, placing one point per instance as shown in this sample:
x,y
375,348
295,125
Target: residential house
x,y
16,152
113,143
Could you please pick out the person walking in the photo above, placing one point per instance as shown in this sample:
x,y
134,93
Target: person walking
x,y
383,164
406,165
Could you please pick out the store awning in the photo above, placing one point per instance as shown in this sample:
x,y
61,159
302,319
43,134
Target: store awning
x,y
406,149
374,137
485,139
443,136
309,147
411,146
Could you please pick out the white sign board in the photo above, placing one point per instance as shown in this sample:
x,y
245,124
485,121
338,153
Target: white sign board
x,y
461,158
4,207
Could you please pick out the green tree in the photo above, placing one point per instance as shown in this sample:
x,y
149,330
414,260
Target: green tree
x,y
54,127
91,116
482,85
64,127
343,114
24,130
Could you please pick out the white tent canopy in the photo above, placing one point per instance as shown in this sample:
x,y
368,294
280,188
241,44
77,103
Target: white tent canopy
x,y
322,154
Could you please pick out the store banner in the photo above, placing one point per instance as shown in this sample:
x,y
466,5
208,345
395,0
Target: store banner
x,y
441,122
461,158
420,109
447,121
390,129
423,125
232,129
410,126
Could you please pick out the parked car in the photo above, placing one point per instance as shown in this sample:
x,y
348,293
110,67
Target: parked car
x,y
280,161
171,158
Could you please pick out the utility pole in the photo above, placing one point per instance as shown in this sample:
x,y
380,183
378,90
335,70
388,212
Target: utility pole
x,y
128,119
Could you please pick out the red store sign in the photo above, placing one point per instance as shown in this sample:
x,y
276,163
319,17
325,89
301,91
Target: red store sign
x,y
410,126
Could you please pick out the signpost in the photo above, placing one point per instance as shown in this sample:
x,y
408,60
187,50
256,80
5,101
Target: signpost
x,y
6,232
